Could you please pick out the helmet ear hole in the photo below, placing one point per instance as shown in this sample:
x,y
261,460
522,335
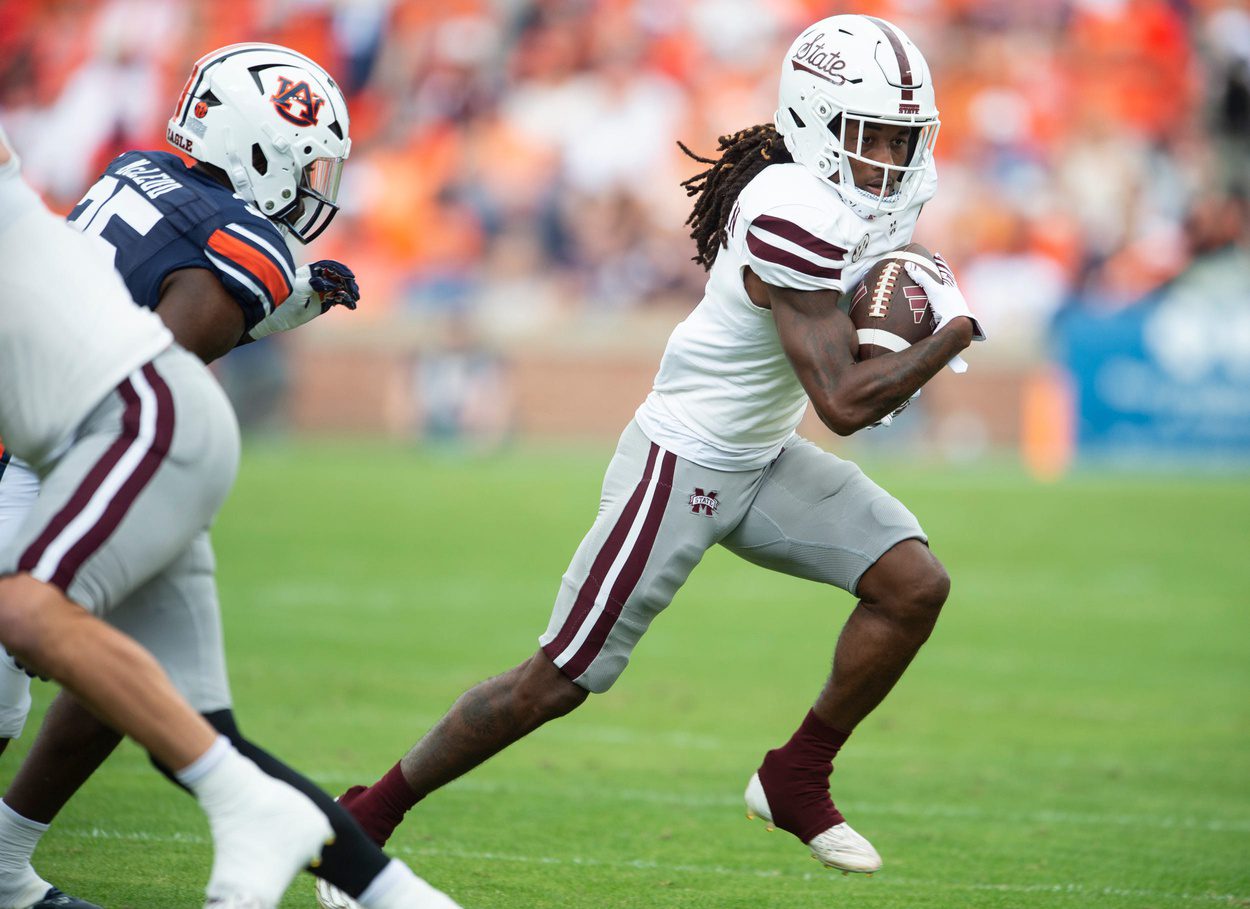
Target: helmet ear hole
x,y
260,163
798,121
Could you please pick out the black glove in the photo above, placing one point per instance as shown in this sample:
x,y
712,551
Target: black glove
x,y
335,283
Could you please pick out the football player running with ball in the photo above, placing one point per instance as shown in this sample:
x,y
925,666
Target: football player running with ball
x,y
206,248
786,220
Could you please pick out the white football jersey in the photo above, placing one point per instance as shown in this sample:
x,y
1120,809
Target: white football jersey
x,y
726,396
70,332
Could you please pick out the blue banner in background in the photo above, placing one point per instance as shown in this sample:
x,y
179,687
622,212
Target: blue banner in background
x,y
1169,377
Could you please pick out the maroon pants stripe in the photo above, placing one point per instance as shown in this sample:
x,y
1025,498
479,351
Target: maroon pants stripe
x,y
603,562
627,580
95,536
91,482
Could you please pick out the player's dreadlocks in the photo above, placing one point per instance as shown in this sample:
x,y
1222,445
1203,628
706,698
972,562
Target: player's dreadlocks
x,y
743,155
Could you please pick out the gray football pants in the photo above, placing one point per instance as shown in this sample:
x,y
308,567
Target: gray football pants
x,y
809,514
121,522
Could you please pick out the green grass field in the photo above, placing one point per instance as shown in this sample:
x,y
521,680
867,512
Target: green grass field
x,y
1076,733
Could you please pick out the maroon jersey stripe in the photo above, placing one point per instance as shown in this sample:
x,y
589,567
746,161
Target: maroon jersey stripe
x,y
129,491
906,79
603,562
770,253
627,580
799,236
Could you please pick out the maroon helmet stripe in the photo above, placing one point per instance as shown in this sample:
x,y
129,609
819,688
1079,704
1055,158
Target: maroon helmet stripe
x,y
906,79
120,504
589,591
799,236
770,253
627,580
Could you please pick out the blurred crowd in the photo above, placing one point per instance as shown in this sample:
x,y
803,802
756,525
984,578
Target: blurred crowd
x,y
515,163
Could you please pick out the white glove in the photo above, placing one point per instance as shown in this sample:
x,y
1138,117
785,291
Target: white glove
x,y
317,287
946,300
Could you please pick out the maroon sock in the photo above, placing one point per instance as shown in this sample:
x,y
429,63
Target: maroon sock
x,y
796,779
380,808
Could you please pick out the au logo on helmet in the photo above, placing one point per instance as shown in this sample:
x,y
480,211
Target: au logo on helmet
x,y
290,94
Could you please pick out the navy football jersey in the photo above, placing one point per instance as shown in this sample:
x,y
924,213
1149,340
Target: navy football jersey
x,y
160,215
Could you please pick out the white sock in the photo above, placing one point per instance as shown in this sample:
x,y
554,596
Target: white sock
x,y
385,884
20,886
191,775
222,781
396,887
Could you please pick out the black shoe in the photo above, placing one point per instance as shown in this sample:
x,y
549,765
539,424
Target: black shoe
x,y
55,899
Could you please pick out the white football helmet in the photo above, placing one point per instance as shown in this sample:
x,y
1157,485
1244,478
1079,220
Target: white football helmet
x,y
276,123
841,75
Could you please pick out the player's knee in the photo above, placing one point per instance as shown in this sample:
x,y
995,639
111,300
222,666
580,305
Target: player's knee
x,y
930,589
924,598
909,584
554,699
566,698
545,693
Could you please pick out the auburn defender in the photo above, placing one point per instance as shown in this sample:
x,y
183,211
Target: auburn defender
x,y
786,220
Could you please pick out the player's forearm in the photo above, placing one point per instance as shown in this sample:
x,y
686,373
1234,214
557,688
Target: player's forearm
x,y
866,391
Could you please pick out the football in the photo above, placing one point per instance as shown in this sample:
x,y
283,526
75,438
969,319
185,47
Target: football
x,y
890,311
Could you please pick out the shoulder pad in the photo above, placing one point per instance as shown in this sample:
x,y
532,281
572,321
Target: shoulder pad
x,y
797,231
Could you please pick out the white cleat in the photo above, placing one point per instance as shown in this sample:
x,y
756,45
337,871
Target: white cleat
x,y
331,897
262,843
838,847
842,848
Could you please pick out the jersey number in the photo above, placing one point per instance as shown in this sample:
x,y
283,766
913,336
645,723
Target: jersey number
x,y
109,199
